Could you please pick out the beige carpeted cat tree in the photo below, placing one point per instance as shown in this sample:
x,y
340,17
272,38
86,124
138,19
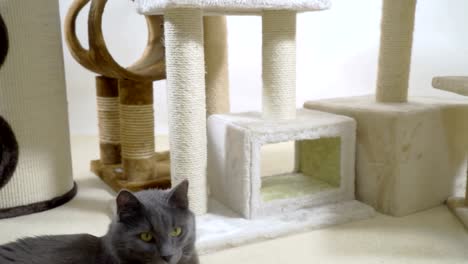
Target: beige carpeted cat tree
x,y
409,151
33,100
231,154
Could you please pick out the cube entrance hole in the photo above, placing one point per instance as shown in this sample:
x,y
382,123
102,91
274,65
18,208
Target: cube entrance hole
x,y
300,168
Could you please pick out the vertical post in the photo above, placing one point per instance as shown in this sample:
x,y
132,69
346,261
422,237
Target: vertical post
x,y
107,91
216,59
279,64
185,68
395,50
137,129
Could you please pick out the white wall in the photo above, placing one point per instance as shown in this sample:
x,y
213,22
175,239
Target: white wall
x,y
337,54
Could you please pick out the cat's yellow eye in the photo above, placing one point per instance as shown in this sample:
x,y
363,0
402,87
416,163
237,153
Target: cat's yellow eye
x,y
146,236
176,232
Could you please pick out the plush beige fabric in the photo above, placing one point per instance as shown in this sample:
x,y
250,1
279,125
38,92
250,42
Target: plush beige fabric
x,y
216,60
234,159
151,7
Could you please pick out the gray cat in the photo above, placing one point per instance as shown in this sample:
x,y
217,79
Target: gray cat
x,y
151,226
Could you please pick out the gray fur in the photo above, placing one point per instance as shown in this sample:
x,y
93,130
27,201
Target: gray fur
x,y
153,211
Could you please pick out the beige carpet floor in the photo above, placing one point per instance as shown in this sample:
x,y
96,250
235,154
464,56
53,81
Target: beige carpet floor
x,y
433,236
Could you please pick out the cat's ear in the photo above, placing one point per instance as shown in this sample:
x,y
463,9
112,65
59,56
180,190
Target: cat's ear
x,y
178,197
128,206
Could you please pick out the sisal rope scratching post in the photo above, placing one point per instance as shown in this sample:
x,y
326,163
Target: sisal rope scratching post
x,y
107,91
33,100
186,102
395,50
279,64
137,129
216,59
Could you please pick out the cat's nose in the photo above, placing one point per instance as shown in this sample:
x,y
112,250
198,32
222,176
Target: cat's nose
x,y
166,258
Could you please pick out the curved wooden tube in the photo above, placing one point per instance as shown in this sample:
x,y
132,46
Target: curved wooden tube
x,y
154,50
150,66
80,54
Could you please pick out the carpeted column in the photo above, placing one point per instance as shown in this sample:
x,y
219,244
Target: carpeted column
x,y
216,59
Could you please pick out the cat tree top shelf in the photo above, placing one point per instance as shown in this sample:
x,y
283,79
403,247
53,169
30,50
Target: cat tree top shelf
x,y
156,7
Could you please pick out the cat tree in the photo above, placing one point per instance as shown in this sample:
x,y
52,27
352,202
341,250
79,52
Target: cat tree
x,y
458,85
124,102
125,97
221,156
234,140
33,101
408,151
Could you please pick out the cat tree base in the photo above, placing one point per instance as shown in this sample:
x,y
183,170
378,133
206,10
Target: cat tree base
x,y
221,228
113,175
459,208
408,154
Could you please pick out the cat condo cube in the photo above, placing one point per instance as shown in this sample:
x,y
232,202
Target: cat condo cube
x,y
324,161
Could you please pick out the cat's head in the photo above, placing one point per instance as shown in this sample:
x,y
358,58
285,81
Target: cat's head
x,y
153,226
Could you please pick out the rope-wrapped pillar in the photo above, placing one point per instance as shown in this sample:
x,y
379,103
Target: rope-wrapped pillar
x,y
186,102
216,59
107,92
137,129
279,64
395,50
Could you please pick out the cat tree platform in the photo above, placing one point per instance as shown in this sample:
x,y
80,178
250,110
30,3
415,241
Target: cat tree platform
x,y
222,228
151,7
113,175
